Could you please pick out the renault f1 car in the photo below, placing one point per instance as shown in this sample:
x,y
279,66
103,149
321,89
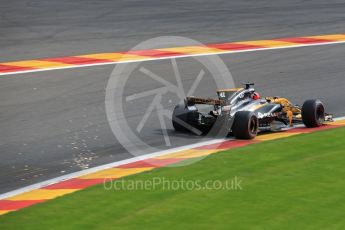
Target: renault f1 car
x,y
244,113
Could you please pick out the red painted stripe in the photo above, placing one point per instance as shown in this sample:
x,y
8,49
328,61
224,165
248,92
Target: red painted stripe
x,y
231,144
151,163
302,40
153,53
232,46
160,53
14,205
75,184
8,68
76,60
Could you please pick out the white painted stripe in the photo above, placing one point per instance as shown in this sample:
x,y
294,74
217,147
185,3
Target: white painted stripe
x,y
117,163
170,57
107,166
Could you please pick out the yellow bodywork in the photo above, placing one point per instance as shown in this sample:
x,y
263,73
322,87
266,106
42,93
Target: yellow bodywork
x,y
291,110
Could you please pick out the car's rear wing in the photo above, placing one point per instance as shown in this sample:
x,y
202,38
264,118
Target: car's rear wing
x,y
205,101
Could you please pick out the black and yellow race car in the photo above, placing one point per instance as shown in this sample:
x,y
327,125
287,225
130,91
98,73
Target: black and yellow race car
x,y
242,112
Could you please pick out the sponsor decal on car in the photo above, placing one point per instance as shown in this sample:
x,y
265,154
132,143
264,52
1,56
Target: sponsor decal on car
x,y
263,115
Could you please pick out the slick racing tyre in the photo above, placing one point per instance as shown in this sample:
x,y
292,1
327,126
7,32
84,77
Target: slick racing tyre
x,y
313,113
245,125
180,118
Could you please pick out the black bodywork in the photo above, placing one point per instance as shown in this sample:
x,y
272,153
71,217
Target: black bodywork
x,y
199,115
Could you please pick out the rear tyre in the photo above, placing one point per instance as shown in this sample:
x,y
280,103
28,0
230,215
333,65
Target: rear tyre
x,y
180,113
313,113
245,125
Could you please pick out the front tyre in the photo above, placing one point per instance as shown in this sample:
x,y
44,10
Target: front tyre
x,y
245,125
313,113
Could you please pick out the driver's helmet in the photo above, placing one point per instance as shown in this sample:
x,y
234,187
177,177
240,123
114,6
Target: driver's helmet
x,y
256,96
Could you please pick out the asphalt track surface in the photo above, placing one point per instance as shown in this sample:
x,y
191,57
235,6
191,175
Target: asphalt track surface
x,y
54,122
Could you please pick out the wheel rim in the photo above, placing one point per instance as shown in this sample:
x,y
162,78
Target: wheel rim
x,y
253,125
320,114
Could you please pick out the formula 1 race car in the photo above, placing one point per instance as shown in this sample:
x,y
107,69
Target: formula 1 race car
x,y
244,113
